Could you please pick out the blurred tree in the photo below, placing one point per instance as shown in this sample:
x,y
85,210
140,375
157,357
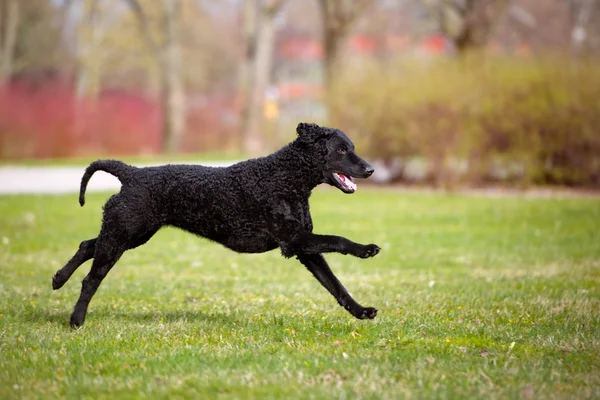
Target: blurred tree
x,y
211,65
32,44
469,23
9,20
337,17
249,16
585,21
259,35
168,54
550,26
97,19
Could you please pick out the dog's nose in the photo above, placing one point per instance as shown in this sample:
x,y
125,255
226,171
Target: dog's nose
x,y
369,171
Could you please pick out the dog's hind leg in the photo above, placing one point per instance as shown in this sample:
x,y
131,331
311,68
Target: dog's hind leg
x,y
142,239
316,264
85,252
113,241
105,258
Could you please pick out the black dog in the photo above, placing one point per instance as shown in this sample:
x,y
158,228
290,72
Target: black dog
x,y
250,207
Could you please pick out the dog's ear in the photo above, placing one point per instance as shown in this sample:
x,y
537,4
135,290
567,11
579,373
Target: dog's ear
x,y
312,132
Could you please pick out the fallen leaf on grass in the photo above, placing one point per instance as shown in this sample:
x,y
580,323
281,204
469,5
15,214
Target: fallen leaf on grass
x,y
567,349
527,392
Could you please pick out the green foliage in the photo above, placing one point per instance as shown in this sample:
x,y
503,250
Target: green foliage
x,y
489,298
529,121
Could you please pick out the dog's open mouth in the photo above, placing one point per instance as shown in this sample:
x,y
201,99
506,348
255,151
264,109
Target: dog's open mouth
x,y
346,182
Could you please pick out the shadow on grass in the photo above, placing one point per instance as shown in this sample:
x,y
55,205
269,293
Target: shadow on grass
x,y
61,317
174,316
40,316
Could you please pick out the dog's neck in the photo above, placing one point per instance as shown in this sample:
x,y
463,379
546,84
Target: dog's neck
x,y
304,169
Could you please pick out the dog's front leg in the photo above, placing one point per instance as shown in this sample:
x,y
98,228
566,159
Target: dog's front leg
x,y
310,243
295,236
316,264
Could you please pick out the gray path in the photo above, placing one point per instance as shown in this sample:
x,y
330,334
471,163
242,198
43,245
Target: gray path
x,y
56,180
66,179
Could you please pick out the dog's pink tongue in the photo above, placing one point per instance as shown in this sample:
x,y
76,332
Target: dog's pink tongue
x,y
347,182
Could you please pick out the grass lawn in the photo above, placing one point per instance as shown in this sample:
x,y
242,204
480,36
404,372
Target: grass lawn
x,y
478,297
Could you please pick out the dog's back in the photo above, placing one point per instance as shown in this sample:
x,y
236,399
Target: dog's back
x,y
228,205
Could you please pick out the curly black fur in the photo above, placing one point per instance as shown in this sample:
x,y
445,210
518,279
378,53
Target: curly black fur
x,y
250,207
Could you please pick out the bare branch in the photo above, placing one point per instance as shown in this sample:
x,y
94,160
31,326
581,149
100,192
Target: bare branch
x,y
470,23
360,6
272,7
338,15
137,9
431,8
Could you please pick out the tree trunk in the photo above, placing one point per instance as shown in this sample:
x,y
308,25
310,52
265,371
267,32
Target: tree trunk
x,y
261,71
246,68
85,48
332,42
10,39
168,55
337,17
465,41
90,33
173,99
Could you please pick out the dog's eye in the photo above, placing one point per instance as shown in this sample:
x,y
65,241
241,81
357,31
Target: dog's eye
x,y
341,150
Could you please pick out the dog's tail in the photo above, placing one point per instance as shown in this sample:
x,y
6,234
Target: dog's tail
x,y
113,167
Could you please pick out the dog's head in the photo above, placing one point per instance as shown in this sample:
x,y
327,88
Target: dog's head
x,y
336,154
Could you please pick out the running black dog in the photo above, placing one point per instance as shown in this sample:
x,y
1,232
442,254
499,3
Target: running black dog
x,y
250,207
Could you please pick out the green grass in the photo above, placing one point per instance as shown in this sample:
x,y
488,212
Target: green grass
x,y
478,297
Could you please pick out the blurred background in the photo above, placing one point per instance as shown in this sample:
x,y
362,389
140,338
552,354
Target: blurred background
x,y
443,92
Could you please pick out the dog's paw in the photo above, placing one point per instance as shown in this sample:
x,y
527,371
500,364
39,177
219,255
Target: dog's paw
x,y
76,321
366,313
370,250
57,282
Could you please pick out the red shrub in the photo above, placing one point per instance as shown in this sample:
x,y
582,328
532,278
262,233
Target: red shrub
x,y
48,121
